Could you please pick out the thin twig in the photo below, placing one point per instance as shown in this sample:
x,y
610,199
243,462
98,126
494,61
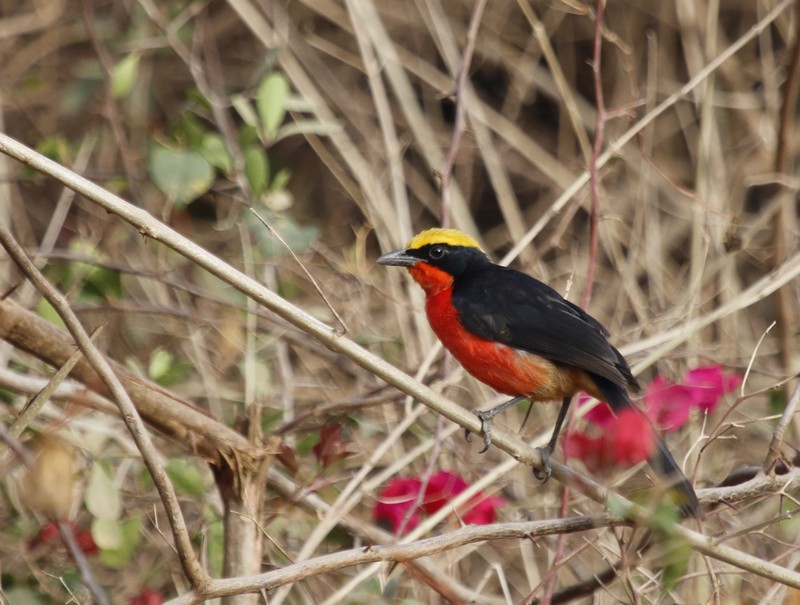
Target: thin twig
x,y
599,131
774,453
408,551
460,122
67,535
32,407
310,277
112,111
753,358
191,565
785,221
396,552
153,228
618,144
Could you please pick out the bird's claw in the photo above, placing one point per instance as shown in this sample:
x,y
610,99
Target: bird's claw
x,y
486,429
544,473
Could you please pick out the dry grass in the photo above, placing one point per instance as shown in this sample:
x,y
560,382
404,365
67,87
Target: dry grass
x,y
696,231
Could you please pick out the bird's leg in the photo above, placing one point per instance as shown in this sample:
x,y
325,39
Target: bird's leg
x,y
487,417
547,450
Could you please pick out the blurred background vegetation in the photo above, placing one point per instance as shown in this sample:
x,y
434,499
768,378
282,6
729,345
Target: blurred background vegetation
x,y
333,121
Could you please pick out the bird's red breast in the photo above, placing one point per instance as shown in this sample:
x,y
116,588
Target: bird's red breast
x,y
506,369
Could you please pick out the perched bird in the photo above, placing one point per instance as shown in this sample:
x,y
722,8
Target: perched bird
x,y
521,337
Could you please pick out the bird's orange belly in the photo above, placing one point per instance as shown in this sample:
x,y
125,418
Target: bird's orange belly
x,y
505,369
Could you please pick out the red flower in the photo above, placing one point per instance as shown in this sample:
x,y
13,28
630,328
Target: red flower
x,y
395,502
627,440
628,437
588,450
86,543
600,414
50,533
483,510
147,597
668,404
444,486
708,384
632,438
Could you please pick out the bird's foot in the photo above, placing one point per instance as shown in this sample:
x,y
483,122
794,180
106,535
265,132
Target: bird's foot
x,y
486,428
543,474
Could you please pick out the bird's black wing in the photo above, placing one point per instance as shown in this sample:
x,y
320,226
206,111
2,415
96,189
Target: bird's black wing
x,y
507,306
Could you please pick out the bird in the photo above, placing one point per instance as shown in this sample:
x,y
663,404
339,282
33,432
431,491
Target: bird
x,y
522,338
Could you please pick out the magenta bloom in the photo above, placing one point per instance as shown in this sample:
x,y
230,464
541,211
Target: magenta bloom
x,y
628,437
708,384
395,502
600,414
444,486
668,404
627,440
632,439
397,499
589,450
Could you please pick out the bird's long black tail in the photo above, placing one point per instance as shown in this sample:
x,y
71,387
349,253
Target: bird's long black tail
x,y
661,460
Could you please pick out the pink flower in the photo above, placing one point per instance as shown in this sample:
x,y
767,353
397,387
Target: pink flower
x,y
668,404
708,384
397,499
600,414
589,450
395,502
627,440
632,438
147,597
444,486
482,510
628,437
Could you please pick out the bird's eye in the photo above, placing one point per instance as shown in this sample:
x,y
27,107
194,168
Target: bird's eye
x,y
436,252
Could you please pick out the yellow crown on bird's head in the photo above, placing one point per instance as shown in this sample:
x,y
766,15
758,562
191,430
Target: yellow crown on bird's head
x,y
449,237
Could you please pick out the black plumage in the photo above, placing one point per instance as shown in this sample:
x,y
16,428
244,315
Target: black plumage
x,y
507,306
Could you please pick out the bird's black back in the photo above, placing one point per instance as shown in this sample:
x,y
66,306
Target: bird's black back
x,y
511,307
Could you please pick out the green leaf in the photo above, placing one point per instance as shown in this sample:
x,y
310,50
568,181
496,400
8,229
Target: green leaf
x,y
102,496
56,148
107,533
281,180
186,477
123,76
101,284
214,151
256,169
131,533
20,595
160,363
188,131
298,237
777,401
245,110
182,176
215,547
46,311
677,553
271,102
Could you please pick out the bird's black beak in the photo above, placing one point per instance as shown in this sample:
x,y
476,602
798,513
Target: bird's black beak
x,y
398,258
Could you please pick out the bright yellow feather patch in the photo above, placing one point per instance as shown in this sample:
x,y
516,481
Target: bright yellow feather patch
x,y
451,237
